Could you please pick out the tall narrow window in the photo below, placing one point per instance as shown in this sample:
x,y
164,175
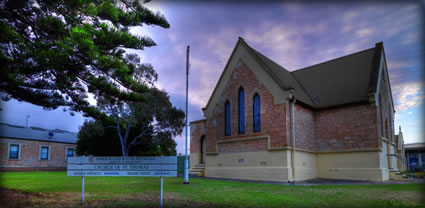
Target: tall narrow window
x,y
256,109
227,126
14,151
44,153
387,130
380,115
241,119
390,128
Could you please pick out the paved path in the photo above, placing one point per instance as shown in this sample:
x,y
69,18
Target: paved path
x,y
314,182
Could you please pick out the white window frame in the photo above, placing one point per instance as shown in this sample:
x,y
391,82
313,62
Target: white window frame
x,y
19,151
39,152
66,152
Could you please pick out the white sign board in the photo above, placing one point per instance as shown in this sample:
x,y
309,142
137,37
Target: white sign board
x,y
122,166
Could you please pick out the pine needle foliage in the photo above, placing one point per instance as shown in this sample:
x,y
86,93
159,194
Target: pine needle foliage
x,y
55,52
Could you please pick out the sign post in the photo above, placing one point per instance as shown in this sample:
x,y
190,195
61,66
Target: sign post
x,y
162,181
122,166
82,189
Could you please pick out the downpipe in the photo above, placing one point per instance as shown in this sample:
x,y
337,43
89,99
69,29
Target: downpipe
x,y
292,101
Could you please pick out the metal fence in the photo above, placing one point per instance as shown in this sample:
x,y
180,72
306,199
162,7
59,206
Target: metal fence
x,y
180,165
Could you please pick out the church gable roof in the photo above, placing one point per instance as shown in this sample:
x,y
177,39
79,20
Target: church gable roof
x,y
344,80
282,76
340,81
348,79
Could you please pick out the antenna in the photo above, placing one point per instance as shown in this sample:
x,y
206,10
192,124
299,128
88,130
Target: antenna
x,y
26,123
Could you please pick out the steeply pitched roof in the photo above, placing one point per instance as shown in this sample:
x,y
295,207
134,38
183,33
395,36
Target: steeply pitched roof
x,y
282,76
340,81
344,80
36,133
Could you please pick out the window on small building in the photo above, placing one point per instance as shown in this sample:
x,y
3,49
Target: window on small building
x,y
256,109
227,120
44,153
241,118
14,151
70,152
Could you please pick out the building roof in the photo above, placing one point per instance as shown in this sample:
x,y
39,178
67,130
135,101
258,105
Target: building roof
x,y
36,133
344,80
282,76
414,146
339,81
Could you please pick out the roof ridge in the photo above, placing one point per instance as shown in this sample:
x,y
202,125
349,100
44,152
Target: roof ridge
x,y
341,57
254,53
35,128
271,71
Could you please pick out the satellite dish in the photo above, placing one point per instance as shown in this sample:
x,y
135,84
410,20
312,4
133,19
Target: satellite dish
x,y
50,134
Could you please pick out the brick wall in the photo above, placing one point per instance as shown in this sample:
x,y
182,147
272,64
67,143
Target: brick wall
x,y
304,128
29,154
345,127
243,146
197,130
348,127
273,117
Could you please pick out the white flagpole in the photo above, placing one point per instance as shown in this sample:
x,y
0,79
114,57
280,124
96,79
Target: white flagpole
x,y
186,162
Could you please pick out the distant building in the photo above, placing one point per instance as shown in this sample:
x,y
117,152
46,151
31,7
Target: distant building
x,y
415,153
331,120
400,150
33,148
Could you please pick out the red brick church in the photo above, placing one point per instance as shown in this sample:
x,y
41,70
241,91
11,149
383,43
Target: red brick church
x,y
330,120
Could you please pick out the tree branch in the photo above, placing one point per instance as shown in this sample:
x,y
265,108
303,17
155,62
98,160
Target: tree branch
x,y
119,132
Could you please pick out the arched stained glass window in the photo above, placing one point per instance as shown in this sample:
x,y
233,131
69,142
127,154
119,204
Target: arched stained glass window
x,y
241,118
256,109
227,126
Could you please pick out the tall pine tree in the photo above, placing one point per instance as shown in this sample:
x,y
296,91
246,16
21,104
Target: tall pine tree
x,y
54,52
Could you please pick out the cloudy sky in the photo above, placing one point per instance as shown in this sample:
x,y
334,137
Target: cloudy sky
x,y
295,35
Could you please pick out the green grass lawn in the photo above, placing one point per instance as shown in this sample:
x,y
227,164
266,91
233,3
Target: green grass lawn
x,y
55,189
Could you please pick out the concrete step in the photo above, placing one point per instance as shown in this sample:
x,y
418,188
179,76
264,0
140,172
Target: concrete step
x,y
197,170
398,177
197,173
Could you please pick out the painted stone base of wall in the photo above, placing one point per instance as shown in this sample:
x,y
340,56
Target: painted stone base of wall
x,y
361,174
276,165
261,165
305,165
366,166
194,159
250,173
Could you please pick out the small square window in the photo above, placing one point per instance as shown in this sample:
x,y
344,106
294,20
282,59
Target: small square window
x,y
44,153
14,151
70,152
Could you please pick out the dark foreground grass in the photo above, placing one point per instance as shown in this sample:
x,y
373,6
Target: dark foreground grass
x,y
55,189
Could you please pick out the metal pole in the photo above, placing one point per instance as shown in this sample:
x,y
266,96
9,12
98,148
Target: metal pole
x,y
26,123
162,181
82,190
186,162
293,138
